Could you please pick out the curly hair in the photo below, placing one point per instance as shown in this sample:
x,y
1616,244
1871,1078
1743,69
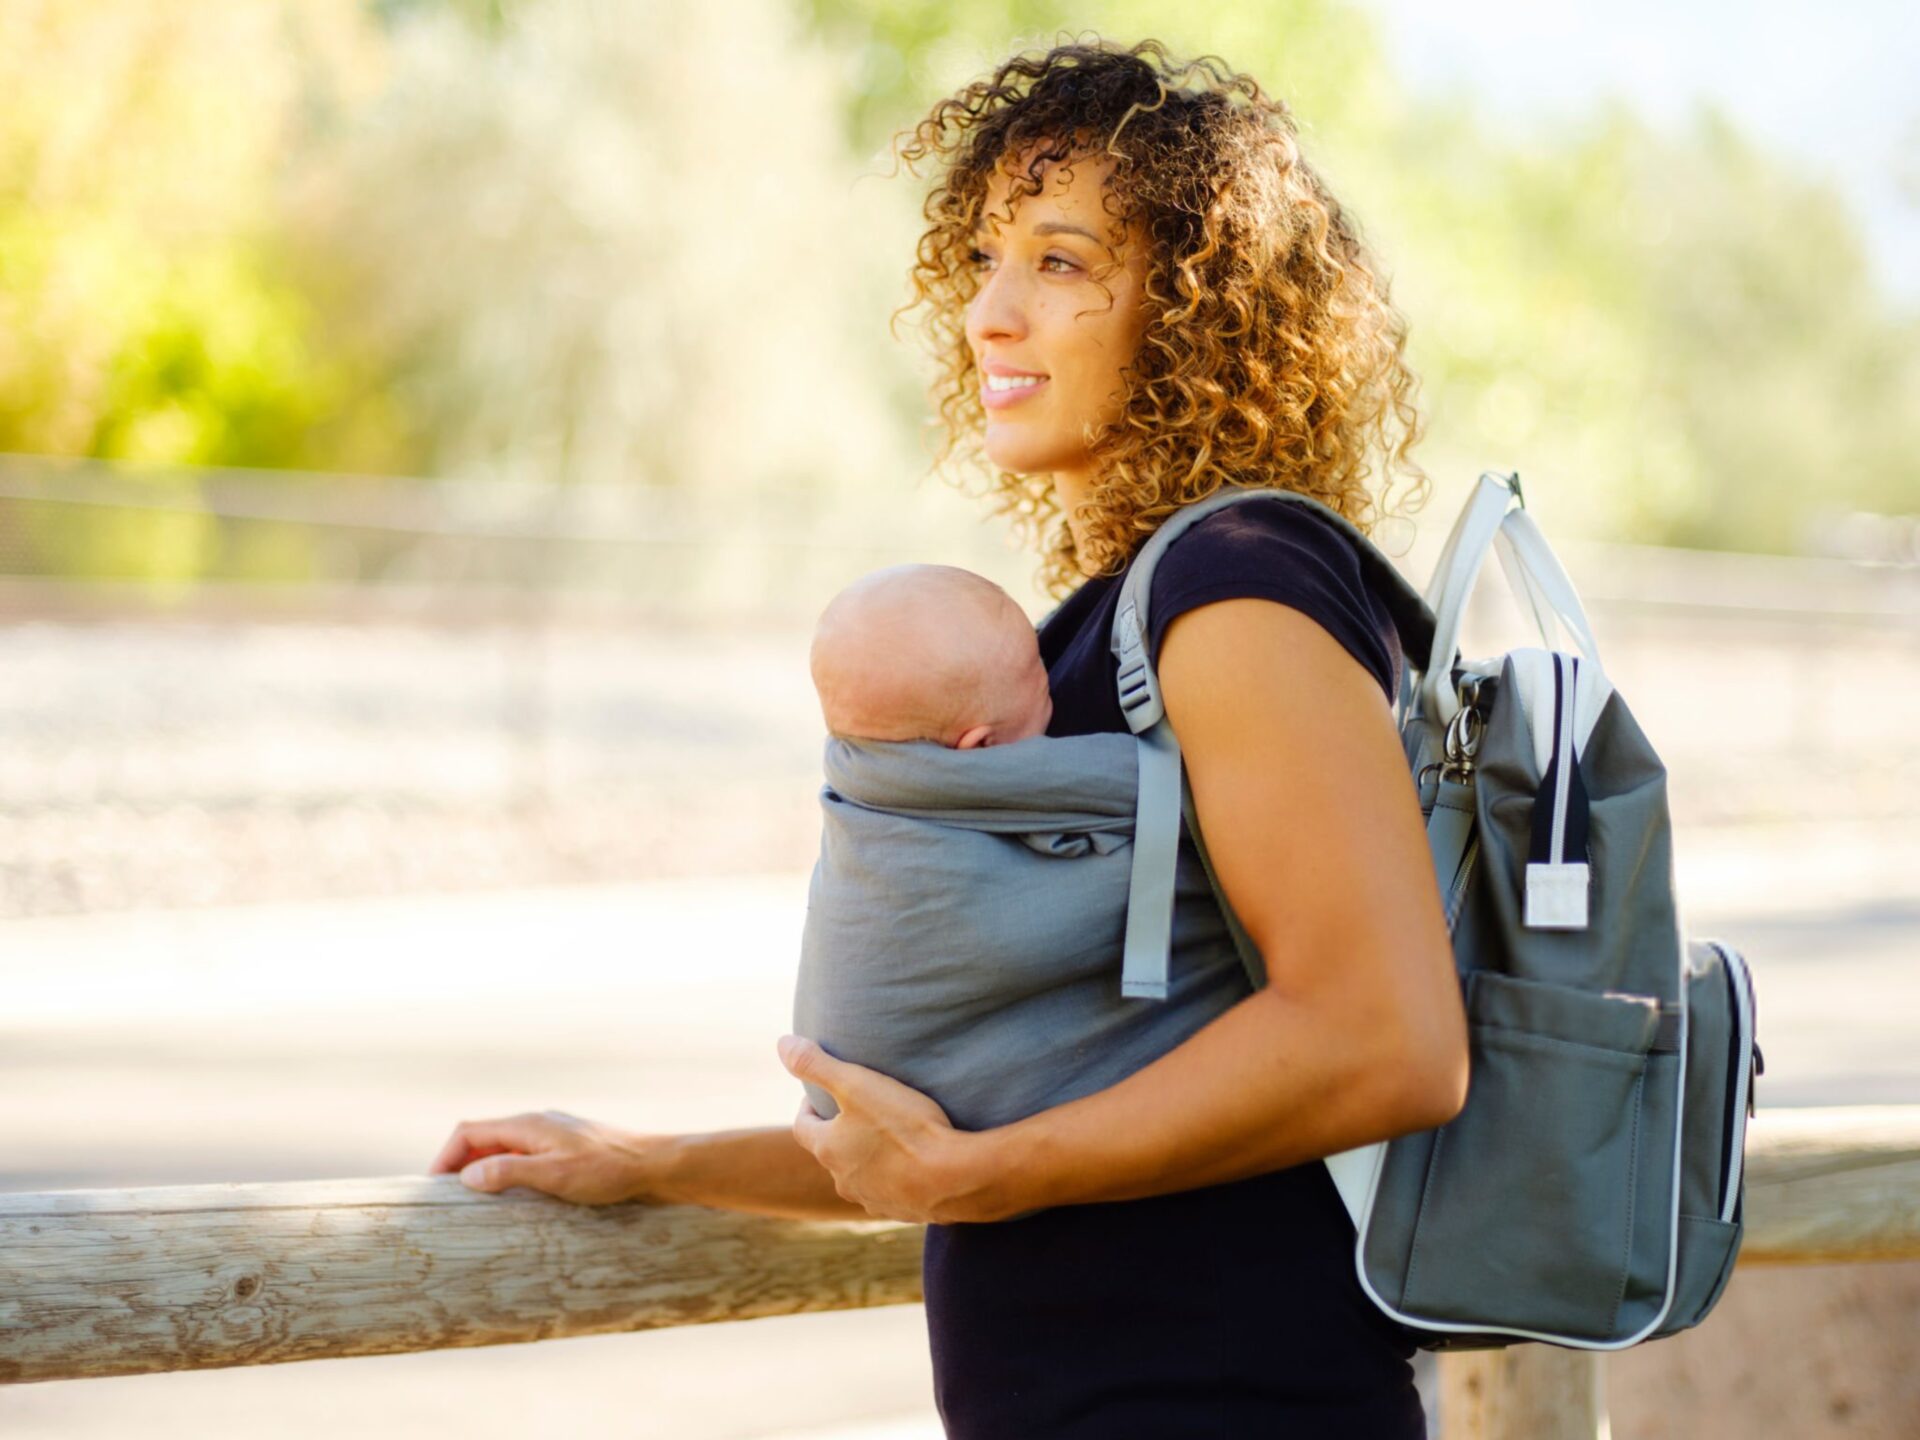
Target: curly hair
x,y
1271,355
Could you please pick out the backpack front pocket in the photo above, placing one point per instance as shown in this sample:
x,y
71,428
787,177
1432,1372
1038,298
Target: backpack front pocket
x,y
1552,1135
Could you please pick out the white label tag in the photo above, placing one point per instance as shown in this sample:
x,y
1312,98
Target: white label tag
x,y
1557,896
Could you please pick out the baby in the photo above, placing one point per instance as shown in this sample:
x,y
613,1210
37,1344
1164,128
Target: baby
x,y
929,652
966,922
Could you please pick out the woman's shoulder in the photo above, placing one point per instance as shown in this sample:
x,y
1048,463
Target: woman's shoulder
x,y
1277,549
1261,528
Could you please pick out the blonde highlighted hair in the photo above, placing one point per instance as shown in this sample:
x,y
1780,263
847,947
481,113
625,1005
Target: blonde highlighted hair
x,y
1271,355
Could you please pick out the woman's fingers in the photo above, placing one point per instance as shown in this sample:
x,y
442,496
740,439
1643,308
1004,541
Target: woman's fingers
x,y
574,1159
473,1139
809,1128
497,1172
815,1133
886,1145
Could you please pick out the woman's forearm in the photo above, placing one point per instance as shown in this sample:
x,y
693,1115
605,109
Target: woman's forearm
x,y
1267,1085
762,1170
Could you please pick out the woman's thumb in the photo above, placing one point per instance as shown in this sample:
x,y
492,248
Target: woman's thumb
x,y
805,1060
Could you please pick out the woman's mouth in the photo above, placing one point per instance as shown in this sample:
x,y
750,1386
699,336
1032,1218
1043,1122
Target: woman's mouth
x,y
999,391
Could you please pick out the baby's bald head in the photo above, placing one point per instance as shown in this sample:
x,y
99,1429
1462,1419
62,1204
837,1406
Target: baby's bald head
x,y
929,652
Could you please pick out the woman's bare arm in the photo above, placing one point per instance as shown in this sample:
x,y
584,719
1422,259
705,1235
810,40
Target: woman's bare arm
x,y
1315,834
762,1170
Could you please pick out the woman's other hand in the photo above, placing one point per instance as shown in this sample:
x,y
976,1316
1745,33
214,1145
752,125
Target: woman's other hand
x,y
891,1150
578,1160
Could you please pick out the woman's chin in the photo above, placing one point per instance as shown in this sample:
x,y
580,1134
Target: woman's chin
x,y
1017,454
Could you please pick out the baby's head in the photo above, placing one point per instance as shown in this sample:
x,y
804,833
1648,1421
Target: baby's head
x,y
929,652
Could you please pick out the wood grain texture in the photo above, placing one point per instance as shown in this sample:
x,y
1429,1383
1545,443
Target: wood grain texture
x,y
125,1282
1525,1392
1832,1184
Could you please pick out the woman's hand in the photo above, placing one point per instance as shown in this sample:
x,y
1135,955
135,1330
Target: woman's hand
x,y
891,1149
561,1154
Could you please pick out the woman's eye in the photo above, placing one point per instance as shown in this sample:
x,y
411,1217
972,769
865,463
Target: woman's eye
x,y
977,258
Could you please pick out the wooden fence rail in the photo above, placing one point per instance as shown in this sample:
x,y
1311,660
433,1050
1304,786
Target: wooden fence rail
x,y
124,1282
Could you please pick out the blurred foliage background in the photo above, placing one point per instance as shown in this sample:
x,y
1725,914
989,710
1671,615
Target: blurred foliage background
x,y
657,243
428,429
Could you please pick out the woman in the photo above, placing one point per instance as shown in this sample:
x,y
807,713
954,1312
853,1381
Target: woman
x,y
1144,293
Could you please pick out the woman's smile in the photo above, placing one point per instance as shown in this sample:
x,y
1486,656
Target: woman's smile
x,y
999,391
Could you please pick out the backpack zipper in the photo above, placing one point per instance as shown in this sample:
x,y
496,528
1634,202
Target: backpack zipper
x,y
1740,979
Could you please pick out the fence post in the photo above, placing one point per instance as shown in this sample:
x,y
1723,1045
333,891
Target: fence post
x,y
1524,1392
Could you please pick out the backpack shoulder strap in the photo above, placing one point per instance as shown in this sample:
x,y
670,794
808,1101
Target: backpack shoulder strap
x,y
1162,796
1412,617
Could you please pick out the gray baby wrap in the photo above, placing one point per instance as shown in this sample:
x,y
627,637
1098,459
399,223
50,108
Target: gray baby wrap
x,y
966,920
1011,928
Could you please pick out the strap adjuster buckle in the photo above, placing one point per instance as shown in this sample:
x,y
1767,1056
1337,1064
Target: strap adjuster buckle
x,y
1139,695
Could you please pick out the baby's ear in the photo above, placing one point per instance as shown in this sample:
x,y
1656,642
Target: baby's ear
x,y
978,738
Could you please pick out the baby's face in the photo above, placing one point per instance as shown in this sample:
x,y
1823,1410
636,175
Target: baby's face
x,y
930,652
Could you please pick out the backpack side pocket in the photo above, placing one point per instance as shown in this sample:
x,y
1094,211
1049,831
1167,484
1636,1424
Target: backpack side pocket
x,y
1554,1130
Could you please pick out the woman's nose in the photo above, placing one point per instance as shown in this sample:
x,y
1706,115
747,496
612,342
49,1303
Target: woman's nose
x,y
998,310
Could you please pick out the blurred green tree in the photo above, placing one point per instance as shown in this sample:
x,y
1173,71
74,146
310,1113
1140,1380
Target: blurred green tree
x,y
143,313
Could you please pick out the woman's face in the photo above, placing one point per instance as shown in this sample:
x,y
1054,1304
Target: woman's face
x,y
1041,311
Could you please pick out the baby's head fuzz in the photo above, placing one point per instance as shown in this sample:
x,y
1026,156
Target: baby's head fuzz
x,y
929,652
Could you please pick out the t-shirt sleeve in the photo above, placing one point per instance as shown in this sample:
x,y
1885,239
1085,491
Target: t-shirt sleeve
x,y
1276,550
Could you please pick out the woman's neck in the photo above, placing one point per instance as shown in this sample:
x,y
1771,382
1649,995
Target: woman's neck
x,y
1070,488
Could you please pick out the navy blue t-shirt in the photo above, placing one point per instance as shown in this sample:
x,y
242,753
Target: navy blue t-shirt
x,y
1273,549
1231,1310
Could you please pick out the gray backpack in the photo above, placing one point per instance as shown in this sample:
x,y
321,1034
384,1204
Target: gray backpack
x,y
1589,1192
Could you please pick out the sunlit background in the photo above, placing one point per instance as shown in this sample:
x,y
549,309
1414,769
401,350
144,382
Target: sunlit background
x,y
428,430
